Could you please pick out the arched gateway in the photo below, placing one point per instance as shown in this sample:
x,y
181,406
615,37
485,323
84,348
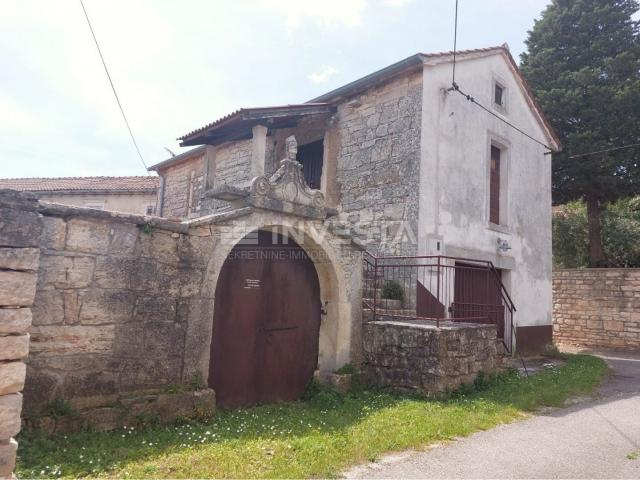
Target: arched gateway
x,y
266,322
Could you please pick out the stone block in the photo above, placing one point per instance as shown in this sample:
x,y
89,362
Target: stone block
x,y
54,233
48,307
65,271
161,339
90,236
8,450
72,339
15,320
160,246
102,419
124,239
613,326
114,272
10,409
12,375
19,258
19,228
171,406
41,387
106,307
198,336
17,288
14,347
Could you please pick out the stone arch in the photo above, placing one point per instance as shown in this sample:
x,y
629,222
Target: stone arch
x,y
339,284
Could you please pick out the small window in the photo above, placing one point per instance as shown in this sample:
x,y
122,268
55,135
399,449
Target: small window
x,y
498,95
150,209
494,186
311,157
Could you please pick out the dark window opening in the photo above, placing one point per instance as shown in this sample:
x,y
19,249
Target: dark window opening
x,y
498,95
494,186
310,156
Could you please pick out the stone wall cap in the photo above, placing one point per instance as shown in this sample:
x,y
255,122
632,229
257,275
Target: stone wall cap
x,y
65,211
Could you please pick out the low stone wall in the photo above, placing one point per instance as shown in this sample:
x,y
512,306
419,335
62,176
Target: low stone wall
x,y
132,410
20,227
597,308
416,356
121,307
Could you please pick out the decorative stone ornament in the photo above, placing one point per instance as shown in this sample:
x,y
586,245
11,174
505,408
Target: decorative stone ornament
x,y
286,190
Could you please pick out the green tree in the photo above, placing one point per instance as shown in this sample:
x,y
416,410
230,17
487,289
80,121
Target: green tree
x,y
583,64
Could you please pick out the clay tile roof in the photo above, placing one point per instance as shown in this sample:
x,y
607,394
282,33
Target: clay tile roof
x,y
102,184
466,52
245,117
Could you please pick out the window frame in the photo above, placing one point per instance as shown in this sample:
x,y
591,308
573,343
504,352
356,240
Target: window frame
x,y
504,146
497,81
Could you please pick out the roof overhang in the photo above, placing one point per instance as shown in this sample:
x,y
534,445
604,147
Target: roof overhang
x,y
238,125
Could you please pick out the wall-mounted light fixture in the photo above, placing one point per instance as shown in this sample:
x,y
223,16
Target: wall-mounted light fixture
x,y
503,245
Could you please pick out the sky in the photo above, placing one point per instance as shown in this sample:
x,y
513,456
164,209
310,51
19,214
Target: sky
x,y
178,65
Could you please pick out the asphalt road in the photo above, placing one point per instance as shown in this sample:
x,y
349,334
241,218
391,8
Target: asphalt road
x,y
590,439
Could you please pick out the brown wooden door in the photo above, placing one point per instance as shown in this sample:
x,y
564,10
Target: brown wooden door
x,y
477,296
266,323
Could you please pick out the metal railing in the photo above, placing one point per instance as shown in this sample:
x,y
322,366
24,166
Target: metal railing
x,y
438,289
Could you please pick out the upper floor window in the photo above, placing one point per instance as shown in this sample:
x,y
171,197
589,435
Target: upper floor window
x,y
311,157
499,95
494,185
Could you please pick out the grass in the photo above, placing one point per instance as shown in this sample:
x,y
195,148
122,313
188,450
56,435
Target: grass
x,y
316,438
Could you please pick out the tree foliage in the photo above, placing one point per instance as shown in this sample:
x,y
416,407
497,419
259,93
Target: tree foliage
x,y
620,233
583,64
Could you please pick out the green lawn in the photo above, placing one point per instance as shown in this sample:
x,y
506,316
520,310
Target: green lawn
x,y
316,438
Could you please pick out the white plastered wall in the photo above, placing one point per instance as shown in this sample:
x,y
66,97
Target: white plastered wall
x,y
454,180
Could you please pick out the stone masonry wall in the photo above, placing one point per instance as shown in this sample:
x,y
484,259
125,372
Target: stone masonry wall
x,y
183,189
414,356
597,308
378,164
20,228
121,305
232,167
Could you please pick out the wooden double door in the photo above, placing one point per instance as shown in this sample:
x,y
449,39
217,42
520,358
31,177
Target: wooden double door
x,y
266,323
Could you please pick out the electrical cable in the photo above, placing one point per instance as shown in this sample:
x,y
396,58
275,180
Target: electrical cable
x,y
456,87
113,88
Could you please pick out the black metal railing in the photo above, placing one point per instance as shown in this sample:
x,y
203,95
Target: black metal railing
x,y
437,289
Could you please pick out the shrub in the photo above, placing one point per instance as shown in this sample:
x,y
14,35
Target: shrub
x,y
346,369
59,407
392,290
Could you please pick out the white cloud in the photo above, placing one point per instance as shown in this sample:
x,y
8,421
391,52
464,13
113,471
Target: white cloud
x,y
347,13
323,75
396,3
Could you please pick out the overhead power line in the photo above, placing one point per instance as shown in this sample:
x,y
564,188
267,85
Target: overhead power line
x,y
506,122
456,87
113,88
606,150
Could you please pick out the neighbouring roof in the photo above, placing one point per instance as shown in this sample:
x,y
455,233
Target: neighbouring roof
x,y
238,125
82,184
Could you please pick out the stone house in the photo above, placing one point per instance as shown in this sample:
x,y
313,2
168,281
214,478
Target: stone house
x,y
390,223
410,168
118,194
